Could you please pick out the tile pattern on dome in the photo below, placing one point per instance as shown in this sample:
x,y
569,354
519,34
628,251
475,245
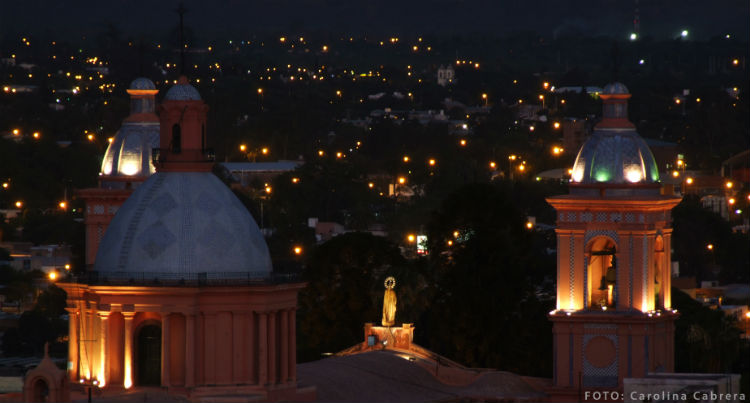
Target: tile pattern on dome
x,y
163,204
155,239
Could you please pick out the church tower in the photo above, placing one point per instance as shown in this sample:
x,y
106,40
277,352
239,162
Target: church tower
x,y
614,317
127,163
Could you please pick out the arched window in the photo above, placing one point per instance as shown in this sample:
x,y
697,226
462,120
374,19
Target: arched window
x,y
601,274
176,139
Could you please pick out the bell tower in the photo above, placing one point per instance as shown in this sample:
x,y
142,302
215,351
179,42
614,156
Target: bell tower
x,y
614,317
183,131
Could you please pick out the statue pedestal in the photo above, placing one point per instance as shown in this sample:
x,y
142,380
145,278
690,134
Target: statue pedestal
x,y
381,337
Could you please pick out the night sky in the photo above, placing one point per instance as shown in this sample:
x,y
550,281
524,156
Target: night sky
x,y
659,18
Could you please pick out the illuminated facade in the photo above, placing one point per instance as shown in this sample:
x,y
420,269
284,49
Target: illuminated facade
x,y
183,294
127,163
614,317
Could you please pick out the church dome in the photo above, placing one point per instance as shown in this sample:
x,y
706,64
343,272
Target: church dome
x,y
183,225
615,153
182,91
142,83
615,156
129,152
615,89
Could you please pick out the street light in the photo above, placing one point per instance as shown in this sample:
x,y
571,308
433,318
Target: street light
x,y
684,33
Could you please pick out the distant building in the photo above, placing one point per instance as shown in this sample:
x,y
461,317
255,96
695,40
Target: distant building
x,y
445,75
246,173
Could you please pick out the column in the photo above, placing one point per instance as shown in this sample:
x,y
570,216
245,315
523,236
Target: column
x,y
103,346
284,359
272,353
189,350
128,359
250,353
293,344
238,346
165,349
73,345
262,348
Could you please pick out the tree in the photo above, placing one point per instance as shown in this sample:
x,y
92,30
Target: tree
x,y
485,311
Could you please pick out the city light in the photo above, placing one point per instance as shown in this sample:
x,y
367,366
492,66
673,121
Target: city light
x,y
633,36
406,158
731,201
264,150
63,205
268,189
36,135
52,276
493,164
432,162
295,180
401,180
545,85
736,62
529,225
462,143
370,185
243,147
321,153
556,125
684,33
557,150
675,174
710,246
729,184
689,180
67,266
5,185
339,154
297,250
90,137
410,238
19,204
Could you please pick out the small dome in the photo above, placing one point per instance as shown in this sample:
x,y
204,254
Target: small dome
x,y
182,91
142,83
129,153
615,88
183,225
616,156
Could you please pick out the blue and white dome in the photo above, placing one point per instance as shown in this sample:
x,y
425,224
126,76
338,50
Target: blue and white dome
x,y
183,225
615,88
182,91
615,156
142,83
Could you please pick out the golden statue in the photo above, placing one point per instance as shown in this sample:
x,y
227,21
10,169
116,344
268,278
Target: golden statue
x,y
389,303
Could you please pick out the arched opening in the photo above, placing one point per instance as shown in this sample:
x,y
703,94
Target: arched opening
x,y
658,270
602,274
148,355
176,139
40,391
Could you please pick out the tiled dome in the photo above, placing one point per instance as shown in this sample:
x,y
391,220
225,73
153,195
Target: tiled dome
x,y
182,225
615,156
182,91
142,83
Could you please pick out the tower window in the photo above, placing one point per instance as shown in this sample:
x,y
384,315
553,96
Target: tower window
x,y
176,139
